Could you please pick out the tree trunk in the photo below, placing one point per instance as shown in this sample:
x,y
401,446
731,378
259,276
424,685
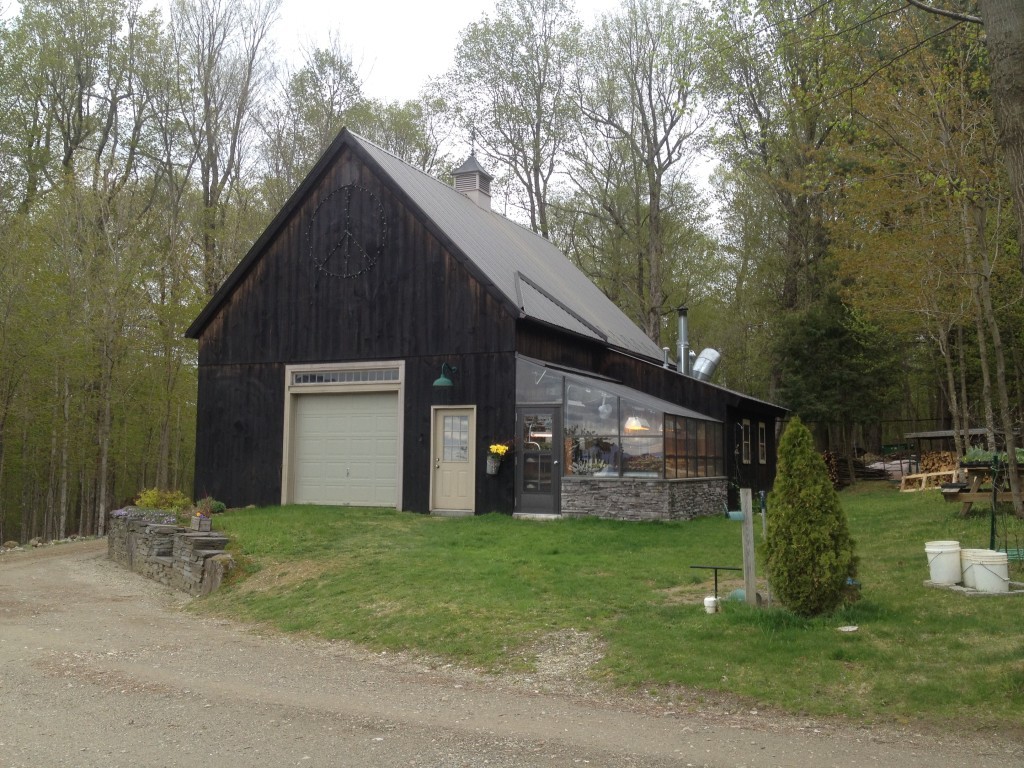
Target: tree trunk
x,y
954,401
991,321
986,377
965,401
26,513
1004,32
62,506
850,438
103,439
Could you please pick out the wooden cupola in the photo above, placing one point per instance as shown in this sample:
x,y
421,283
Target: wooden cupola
x,y
474,182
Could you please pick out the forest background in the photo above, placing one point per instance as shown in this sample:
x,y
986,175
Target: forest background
x,y
855,255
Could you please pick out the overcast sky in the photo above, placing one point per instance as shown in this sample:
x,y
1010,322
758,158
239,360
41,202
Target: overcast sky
x,y
397,45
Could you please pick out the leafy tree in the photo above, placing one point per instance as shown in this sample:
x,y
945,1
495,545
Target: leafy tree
x,y
836,368
509,89
641,124
751,226
311,106
930,193
779,68
810,554
411,130
94,220
1004,30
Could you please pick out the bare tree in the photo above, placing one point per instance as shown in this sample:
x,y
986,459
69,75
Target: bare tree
x,y
221,48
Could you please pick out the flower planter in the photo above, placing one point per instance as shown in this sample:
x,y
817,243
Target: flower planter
x,y
493,464
200,523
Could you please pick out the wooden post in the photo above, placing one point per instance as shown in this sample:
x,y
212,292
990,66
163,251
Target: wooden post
x,y
749,571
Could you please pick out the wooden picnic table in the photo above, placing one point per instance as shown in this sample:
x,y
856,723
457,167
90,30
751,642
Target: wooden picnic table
x,y
974,492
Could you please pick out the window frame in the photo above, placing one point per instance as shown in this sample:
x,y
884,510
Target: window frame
x,y
745,441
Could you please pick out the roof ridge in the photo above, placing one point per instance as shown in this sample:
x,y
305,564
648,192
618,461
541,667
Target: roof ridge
x,y
501,216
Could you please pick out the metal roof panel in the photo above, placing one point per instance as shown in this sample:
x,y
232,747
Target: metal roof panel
x,y
504,250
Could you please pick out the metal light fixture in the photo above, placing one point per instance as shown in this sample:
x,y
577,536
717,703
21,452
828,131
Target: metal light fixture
x,y
633,424
444,382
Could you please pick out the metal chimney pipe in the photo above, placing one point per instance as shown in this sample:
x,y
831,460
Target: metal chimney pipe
x,y
684,342
664,357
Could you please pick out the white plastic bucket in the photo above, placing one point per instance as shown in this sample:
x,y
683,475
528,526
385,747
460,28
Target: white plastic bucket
x,y
710,604
943,561
992,572
969,564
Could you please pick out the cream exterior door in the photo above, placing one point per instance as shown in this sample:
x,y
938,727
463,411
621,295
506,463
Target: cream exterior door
x,y
453,482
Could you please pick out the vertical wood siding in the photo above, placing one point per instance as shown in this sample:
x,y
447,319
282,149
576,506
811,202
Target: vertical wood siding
x,y
417,303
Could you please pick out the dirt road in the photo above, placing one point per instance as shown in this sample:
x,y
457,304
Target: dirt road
x,y
99,667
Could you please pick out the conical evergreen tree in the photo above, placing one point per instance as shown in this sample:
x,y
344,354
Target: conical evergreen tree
x,y
810,553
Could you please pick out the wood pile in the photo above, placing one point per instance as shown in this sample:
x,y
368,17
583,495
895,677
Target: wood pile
x,y
938,461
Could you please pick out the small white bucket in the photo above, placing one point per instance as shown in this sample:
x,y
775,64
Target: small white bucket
x,y
711,604
992,572
943,561
969,563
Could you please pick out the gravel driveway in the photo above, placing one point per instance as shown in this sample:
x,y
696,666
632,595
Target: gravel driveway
x,y
99,667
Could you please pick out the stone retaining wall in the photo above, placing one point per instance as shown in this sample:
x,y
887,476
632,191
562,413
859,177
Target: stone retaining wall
x,y
631,498
179,557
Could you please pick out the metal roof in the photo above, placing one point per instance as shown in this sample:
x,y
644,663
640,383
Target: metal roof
x,y
941,433
472,165
525,267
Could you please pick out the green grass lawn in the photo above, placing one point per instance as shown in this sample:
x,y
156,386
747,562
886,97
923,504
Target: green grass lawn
x,y
483,590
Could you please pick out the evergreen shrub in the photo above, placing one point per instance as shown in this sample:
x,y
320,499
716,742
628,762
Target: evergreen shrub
x,y
810,554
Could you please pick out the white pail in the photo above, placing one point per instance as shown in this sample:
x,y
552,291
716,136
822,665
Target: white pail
x,y
943,561
968,565
711,604
992,572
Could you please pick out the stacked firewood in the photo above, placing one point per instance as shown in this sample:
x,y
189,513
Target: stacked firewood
x,y
938,461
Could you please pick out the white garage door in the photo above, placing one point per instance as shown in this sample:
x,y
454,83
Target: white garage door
x,y
345,449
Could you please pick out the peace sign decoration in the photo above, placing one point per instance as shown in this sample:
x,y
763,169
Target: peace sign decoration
x,y
347,233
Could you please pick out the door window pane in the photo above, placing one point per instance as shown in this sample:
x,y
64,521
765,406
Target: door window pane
x,y
456,438
538,442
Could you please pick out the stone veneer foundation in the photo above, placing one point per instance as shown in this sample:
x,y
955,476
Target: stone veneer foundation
x,y
634,498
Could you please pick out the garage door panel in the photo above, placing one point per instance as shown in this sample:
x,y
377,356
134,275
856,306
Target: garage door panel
x,y
345,449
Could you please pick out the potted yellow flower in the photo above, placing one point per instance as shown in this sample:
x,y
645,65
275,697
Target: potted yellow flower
x,y
494,456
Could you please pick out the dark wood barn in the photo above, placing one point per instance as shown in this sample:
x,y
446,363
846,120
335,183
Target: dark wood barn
x,y
386,329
